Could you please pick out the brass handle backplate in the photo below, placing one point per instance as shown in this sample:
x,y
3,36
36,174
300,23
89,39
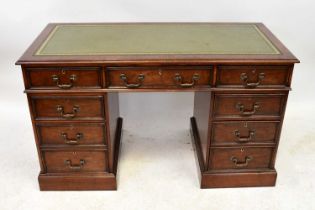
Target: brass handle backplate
x,y
124,78
243,139
237,163
244,79
75,110
56,79
179,81
75,140
74,167
241,108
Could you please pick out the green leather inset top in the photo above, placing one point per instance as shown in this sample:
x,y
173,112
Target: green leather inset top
x,y
133,39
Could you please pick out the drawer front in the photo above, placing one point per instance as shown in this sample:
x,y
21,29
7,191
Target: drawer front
x,y
159,77
240,158
63,77
245,106
68,107
254,76
244,132
71,134
75,161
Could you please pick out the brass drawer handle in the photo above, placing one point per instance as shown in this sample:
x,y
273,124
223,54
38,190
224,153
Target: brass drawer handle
x,y
240,107
74,167
75,140
241,139
241,164
244,79
123,77
72,78
75,110
178,80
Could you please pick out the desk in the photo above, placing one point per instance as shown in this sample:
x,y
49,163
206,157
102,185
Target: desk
x,y
240,74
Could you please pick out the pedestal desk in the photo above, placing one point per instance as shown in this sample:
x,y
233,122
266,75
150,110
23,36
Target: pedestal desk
x,y
240,74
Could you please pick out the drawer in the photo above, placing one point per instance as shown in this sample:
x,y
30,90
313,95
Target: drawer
x,y
254,76
71,134
55,107
159,77
75,161
63,77
240,158
247,106
244,132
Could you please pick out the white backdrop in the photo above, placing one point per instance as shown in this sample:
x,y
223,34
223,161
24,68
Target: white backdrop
x,y
292,21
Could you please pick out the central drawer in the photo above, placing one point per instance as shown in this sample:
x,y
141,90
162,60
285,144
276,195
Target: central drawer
x,y
240,158
249,106
75,161
67,107
159,77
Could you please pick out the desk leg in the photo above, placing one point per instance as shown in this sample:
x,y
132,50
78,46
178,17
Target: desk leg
x,y
99,180
201,138
210,179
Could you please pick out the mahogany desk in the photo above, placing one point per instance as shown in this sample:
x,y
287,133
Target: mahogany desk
x,y
240,74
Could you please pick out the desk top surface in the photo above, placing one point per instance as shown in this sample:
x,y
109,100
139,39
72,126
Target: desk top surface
x,y
156,42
